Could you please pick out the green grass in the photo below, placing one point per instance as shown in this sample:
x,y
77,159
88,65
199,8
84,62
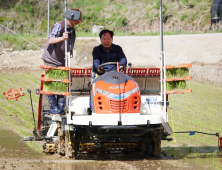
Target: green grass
x,y
127,33
17,115
110,14
183,17
197,111
18,43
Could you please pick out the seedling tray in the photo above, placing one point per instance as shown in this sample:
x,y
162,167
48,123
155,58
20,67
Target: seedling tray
x,y
180,66
51,80
54,93
179,79
55,68
178,91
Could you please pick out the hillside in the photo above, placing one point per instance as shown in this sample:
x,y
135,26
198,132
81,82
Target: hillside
x,y
134,16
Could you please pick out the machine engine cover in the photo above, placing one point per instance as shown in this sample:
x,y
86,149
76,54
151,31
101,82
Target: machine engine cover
x,y
115,92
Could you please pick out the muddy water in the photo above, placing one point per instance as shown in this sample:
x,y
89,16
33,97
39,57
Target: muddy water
x,y
178,158
140,164
10,146
16,155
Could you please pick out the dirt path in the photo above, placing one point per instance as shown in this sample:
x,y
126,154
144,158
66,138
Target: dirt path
x,y
145,50
142,50
202,50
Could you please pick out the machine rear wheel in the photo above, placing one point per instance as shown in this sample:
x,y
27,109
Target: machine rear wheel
x,y
69,145
65,144
151,144
157,144
61,140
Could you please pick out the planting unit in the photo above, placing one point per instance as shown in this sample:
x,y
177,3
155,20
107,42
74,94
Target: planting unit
x,y
176,77
55,81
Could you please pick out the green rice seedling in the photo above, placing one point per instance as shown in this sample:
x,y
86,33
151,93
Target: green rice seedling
x,y
175,85
48,74
56,87
47,86
177,72
170,73
61,87
182,85
182,72
170,86
65,74
57,74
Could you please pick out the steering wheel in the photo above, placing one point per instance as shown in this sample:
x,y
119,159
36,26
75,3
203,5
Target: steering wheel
x,y
111,63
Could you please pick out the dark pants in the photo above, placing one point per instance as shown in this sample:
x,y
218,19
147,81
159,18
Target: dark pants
x,y
56,102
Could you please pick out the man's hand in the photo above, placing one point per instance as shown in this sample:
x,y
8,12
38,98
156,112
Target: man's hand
x,y
100,70
55,40
121,69
65,36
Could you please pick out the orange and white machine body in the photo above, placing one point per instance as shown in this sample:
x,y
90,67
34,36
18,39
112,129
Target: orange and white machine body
x,y
117,96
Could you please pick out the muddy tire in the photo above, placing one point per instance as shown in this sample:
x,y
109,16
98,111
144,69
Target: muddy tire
x,y
60,144
69,145
157,144
151,144
146,145
65,146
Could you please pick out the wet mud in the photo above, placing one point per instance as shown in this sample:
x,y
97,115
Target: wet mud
x,y
17,155
11,146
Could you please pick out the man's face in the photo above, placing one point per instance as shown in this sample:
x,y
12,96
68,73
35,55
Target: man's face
x,y
74,22
106,40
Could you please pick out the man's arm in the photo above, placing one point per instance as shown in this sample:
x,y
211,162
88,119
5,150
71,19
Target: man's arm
x,y
96,60
55,40
56,31
121,57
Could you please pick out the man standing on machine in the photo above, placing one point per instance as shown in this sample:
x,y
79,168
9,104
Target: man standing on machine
x,y
107,52
54,54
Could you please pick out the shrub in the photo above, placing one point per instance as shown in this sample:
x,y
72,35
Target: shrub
x,y
183,17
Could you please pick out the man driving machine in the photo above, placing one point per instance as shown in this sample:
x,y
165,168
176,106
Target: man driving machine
x,y
107,52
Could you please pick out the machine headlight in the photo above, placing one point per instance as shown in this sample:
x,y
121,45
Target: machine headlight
x,y
132,91
98,90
